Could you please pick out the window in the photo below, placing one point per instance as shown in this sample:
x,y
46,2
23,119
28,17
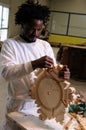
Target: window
x,y
4,16
68,24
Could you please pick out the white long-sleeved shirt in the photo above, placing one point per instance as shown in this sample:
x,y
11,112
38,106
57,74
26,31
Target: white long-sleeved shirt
x,y
17,55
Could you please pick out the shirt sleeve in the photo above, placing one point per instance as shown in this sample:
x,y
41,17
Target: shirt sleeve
x,y
11,70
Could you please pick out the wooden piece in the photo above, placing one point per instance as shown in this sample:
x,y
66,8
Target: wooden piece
x,y
29,122
75,122
52,94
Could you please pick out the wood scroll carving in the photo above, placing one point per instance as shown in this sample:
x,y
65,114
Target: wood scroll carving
x,y
51,93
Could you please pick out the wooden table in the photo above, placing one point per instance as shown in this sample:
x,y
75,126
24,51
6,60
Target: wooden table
x,y
29,122
75,58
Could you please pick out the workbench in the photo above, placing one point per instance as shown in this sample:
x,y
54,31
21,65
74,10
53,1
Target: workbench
x,y
75,58
29,122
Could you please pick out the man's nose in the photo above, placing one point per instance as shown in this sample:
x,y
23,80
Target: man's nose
x,y
35,32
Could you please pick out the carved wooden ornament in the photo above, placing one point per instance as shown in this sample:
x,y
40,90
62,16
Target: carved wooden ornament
x,y
51,93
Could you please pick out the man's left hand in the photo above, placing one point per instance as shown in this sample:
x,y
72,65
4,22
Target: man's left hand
x,y
65,73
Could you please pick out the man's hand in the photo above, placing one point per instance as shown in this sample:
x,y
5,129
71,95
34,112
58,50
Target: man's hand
x,y
43,62
64,73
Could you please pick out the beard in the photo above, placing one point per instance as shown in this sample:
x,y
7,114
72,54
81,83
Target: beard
x,y
29,38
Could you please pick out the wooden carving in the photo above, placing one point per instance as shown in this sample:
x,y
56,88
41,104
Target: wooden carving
x,y
51,93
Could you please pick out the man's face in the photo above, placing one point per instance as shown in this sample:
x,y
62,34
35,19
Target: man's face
x,y
32,30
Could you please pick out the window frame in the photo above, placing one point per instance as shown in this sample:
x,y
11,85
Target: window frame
x,y
4,28
72,27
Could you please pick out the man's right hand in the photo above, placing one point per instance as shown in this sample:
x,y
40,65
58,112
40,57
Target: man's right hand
x,y
43,62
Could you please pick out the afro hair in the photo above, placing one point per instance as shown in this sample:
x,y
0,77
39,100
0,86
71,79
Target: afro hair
x,y
31,10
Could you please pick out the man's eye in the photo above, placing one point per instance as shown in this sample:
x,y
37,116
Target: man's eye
x,y
39,29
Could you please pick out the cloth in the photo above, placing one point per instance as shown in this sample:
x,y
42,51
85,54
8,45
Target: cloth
x,y
17,70
76,108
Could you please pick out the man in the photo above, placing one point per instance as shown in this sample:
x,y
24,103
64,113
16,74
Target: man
x,y
24,54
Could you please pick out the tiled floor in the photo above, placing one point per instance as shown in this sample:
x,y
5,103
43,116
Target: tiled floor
x,y
79,85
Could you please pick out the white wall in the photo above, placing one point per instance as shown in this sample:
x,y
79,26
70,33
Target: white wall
x,y
77,6
5,1
44,2
13,30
